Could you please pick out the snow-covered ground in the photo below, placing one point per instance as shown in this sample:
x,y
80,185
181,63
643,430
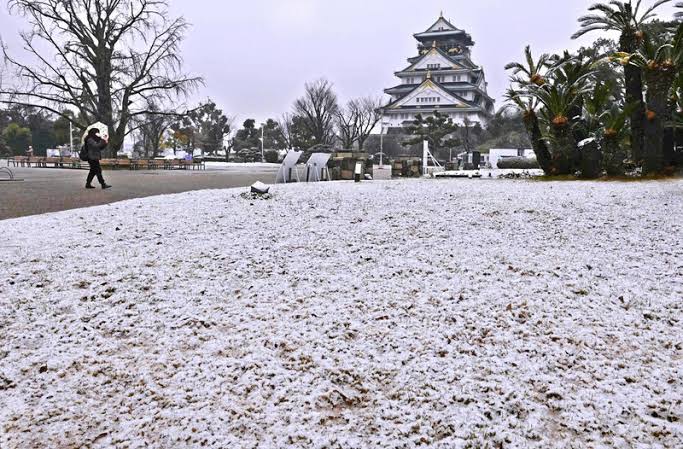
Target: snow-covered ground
x,y
247,165
444,314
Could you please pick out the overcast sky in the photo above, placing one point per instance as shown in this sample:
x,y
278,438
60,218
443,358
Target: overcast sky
x,y
256,55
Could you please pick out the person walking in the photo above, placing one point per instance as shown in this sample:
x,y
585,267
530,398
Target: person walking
x,y
95,144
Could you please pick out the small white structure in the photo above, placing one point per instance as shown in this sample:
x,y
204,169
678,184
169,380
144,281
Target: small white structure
x,y
316,167
427,156
497,154
381,172
288,169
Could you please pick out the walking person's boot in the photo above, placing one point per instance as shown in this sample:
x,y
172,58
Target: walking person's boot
x,y
105,186
89,186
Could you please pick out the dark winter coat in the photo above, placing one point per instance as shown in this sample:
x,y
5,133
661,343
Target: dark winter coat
x,y
95,146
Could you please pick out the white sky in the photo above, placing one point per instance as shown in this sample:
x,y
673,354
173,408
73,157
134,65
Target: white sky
x,y
256,56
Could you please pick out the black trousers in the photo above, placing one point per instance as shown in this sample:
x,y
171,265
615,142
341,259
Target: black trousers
x,y
95,170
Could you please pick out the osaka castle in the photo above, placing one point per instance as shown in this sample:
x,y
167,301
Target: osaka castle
x,y
441,78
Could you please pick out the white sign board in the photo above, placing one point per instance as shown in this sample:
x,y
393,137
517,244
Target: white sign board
x,y
288,168
316,166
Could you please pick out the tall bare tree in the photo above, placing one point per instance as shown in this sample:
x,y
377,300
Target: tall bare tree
x,y
102,58
318,108
152,127
347,120
286,129
356,120
370,115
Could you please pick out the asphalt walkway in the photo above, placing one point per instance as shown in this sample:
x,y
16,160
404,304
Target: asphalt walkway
x,y
51,190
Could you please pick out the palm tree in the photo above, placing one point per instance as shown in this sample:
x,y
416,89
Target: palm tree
x,y
613,133
590,126
559,99
676,122
661,65
527,105
624,18
531,73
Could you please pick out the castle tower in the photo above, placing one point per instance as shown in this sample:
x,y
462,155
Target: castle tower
x,y
441,78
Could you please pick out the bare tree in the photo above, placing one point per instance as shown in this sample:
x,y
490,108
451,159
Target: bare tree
x,y
356,121
152,127
318,108
286,129
347,121
102,58
370,115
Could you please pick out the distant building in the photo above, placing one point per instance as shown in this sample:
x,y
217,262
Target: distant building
x,y
442,78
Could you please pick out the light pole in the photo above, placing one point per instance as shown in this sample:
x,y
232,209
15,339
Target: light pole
x,y
381,142
262,143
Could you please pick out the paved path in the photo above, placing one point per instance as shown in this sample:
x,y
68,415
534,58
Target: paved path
x,y
50,190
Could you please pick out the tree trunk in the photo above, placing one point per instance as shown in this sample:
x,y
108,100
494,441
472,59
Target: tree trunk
x,y
105,111
590,162
633,84
613,156
659,84
541,150
563,155
634,95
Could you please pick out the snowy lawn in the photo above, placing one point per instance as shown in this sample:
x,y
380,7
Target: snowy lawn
x,y
244,165
445,314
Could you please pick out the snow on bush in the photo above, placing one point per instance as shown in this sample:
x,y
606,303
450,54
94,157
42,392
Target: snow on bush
x,y
445,314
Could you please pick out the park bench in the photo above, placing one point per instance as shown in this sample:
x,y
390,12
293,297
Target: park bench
x,y
107,163
140,164
17,161
37,161
75,162
155,164
123,164
185,165
198,164
54,161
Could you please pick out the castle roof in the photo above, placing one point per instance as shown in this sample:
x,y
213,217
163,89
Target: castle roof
x,y
443,28
454,61
456,100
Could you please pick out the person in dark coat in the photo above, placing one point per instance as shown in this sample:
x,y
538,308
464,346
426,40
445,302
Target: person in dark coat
x,y
95,144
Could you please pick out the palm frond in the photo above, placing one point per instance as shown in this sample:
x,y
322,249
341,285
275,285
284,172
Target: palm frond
x,y
649,13
620,16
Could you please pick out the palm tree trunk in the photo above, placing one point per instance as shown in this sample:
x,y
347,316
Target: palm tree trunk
x,y
634,95
658,86
613,156
633,84
563,155
541,150
590,160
